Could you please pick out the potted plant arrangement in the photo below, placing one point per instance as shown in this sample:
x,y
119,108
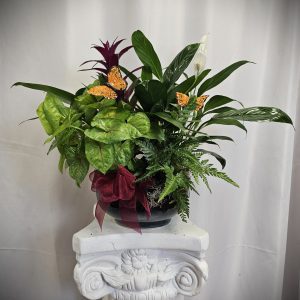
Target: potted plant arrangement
x,y
143,131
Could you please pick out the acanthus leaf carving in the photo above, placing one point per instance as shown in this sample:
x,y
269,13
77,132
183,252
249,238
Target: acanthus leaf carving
x,y
142,274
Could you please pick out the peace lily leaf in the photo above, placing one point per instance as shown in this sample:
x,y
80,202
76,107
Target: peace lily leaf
x,y
180,63
129,74
220,159
220,137
220,110
158,92
184,87
80,92
140,121
232,122
169,119
144,97
201,76
217,101
255,114
146,73
146,53
219,77
123,152
64,95
101,156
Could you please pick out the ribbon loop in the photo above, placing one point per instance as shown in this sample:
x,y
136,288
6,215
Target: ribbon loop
x,y
120,186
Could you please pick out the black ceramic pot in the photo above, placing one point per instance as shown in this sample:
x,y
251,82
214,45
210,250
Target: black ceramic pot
x,y
160,216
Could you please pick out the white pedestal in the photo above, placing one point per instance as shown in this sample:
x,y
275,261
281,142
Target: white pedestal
x,y
162,263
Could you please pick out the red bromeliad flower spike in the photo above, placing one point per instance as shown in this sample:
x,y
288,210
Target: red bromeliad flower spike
x,y
110,57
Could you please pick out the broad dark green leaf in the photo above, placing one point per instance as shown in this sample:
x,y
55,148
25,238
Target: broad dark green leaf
x,y
129,74
180,63
101,156
256,114
146,73
144,97
64,95
169,119
217,101
30,119
184,87
220,137
219,77
232,122
220,110
200,77
146,53
158,92
220,159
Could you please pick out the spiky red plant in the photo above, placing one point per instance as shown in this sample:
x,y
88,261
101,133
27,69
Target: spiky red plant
x,y
110,57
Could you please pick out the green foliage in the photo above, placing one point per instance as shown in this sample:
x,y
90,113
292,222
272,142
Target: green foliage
x,y
146,128
146,53
63,95
51,112
180,63
219,77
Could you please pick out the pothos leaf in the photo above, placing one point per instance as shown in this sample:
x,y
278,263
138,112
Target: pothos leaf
x,y
101,156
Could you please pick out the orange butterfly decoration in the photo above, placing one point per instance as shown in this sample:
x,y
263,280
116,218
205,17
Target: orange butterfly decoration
x,y
183,100
115,80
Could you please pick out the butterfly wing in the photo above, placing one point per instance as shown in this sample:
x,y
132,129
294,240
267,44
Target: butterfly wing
x,y
115,79
104,91
182,99
200,101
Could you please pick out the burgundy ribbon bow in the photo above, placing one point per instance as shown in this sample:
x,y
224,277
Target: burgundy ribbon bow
x,y
120,186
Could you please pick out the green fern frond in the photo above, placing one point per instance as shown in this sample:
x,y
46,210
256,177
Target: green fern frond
x,y
182,203
150,171
148,150
172,182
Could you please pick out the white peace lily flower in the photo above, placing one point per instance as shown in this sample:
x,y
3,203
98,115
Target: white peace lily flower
x,y
200,56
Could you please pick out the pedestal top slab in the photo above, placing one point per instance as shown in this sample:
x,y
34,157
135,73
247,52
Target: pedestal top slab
x,y
177,235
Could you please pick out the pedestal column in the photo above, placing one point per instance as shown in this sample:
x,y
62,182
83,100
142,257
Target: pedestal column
x,y
161,263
